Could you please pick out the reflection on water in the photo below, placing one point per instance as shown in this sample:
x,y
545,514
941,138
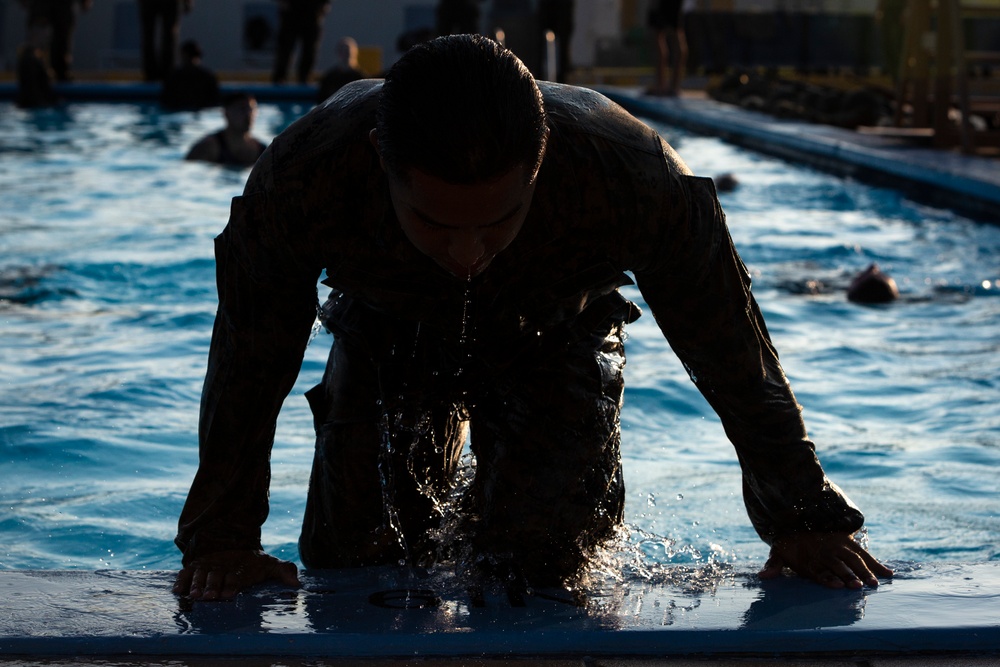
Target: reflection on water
x,y
367,614
107,297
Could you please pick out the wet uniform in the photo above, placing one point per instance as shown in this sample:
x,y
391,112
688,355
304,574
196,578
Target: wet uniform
x,y
529,353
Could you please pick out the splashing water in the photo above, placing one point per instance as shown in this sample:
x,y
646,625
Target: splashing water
x,y
637,555
396,423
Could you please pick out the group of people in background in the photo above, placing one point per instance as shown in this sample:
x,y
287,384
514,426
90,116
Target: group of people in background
x,y
190,85
46,56
47,52
299,29
50,28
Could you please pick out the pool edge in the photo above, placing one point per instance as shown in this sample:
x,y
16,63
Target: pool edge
x,y
934,610
967,184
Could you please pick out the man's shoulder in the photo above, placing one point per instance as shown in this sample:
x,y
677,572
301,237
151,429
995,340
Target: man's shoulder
x,y
561,96
344,119
572,109
207,148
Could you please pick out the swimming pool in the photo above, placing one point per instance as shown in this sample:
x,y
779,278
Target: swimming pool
x,y
107,299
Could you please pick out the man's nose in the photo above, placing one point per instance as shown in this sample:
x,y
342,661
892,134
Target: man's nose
x,y
466,249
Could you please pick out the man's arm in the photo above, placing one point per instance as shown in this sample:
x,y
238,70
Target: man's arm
x,y
699,292
267,305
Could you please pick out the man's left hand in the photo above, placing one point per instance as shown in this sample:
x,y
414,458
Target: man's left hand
x,y
833,560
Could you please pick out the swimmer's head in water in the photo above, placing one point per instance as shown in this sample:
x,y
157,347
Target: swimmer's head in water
x,y
872,286
725,182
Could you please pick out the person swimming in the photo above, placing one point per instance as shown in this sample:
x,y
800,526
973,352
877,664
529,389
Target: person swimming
x,y
872,286
234,145
725,182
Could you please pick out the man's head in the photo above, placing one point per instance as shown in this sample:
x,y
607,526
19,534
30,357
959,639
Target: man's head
x,y
39,36
191,52
347,52
240,111
461,133
461,108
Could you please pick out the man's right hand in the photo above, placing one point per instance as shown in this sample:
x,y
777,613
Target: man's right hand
x,y
221,575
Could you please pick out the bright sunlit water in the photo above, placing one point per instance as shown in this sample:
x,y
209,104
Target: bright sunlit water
x,y
107,299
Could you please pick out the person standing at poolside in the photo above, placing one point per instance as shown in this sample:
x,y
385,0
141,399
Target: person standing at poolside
x,y
455,17
234,145
34,77
665,20
60,17
299,21
344,71
160,22
191,86
557,16
475,227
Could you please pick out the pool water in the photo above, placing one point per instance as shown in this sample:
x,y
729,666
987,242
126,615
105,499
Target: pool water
x,y
107,299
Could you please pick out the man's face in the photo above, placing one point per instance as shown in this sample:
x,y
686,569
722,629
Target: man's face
x,y
241,114
461,227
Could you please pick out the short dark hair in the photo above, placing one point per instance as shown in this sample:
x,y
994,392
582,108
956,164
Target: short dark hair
x,y
461,108
236,96
191,49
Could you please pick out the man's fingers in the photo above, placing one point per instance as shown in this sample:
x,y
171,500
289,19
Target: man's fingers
x,y
828,578
182,584
860,569
772,568
832,560
846,574
198,581
232,583
223,575
215,584
854,568
287,573
876,568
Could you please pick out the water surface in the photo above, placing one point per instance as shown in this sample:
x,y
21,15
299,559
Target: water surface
x,y
107,299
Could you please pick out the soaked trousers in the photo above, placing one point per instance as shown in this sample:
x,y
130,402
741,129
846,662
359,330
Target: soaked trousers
x,y
391,419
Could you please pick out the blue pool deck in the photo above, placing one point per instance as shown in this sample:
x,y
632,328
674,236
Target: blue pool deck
x,y
934,614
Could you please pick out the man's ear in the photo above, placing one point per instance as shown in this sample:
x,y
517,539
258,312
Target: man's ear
x,y
373,138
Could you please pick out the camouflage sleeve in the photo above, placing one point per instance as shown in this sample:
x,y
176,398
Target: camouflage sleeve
x,y
267,305
699,292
